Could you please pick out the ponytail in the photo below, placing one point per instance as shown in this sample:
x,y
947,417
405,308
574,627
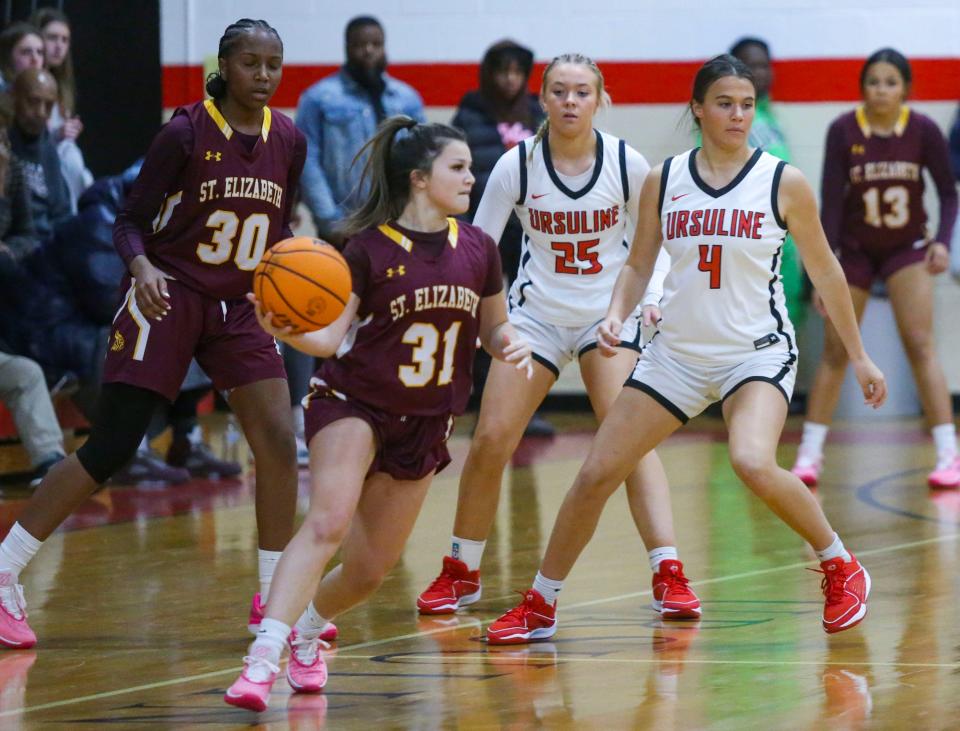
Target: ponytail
x,y
392,157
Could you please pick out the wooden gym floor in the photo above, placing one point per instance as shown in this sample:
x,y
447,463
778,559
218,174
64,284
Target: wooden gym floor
x,y
140,604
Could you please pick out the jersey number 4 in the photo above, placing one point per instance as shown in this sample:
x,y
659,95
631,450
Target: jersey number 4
x,y
250,248
570,254
425,339
711,257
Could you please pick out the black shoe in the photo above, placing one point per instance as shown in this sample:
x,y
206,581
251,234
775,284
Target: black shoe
x,y
43,468
199,461
539,427
147,467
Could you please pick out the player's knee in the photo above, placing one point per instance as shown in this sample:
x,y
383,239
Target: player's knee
x,y
918,346
368,577
593,485
275,443
328,526
492,441
106,451
834,354
755,470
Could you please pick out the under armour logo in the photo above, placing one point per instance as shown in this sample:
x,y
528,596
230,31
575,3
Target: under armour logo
x,y
215,156
399,271
857,150
118,342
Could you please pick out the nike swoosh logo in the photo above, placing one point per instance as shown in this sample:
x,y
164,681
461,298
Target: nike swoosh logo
x,y
535,196
678,197
920,243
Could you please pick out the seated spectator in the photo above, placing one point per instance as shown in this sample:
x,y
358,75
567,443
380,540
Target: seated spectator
x,y
21,47
338,115
64,124
34,95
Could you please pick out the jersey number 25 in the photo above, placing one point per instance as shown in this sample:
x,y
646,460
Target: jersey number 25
x,y
570,254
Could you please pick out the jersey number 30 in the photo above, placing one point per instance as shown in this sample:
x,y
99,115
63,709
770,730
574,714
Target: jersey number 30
x,y
425,339
253,239
711,257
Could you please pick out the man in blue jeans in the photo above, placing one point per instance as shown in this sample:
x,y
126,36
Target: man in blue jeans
x,y
338,115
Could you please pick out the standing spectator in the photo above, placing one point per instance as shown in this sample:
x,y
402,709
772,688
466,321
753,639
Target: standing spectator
x,y
21,47
495,118
34,94
64,124
338,115
766,134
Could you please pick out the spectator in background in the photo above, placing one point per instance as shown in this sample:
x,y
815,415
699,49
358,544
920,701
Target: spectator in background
x,y
338,115
23,388
34,95
21,47
64,124
766,133
495,118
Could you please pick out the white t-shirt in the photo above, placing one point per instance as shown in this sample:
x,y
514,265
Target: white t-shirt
x,y
723,298
577,230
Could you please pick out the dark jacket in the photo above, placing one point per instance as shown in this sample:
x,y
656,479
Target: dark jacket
x,y
49,197
486,146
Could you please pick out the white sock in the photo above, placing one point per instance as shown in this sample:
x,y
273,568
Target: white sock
x,y
945,440
833,550
548,588
17,549
267,562
311,623
811,443
659,554
271,639
470,552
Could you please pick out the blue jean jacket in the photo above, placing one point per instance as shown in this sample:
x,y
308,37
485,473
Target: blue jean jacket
x,y
337,118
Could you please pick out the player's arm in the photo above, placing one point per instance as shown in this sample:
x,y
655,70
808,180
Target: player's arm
x,y
498,337
636,273
936,158
798,208
322,343
500,195
168,154
637,171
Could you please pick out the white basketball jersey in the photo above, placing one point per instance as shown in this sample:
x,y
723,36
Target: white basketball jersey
x,y
723,297
576,229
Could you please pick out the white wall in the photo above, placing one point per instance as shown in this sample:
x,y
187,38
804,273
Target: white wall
x,y
422,31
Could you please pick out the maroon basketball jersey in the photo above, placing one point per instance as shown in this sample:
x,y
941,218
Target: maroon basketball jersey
x,y
411,349
873,185
226,206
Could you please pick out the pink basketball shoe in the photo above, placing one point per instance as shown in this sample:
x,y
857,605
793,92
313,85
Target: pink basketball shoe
x,y
14,630
252,689
329,633
307,670
808,471
945,477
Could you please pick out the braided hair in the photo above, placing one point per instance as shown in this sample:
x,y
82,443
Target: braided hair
x,y
216,85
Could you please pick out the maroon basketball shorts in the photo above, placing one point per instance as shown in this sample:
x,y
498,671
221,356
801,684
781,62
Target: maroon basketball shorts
x,y
408,447
862,267
224,337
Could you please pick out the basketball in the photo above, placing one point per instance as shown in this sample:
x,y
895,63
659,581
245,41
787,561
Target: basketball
x,y
303,282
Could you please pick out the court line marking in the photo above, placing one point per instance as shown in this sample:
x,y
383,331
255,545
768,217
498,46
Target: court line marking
x,y
560,660
442,630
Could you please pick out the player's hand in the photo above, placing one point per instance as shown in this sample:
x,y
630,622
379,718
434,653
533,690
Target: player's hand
x,y
937,259
519,353
608,336
266,320
150,288
817,301
651,315
872,382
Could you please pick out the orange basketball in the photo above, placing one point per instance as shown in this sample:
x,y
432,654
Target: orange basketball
x,y
304,282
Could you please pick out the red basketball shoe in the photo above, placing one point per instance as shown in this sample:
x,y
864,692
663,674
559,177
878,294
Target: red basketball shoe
x,y
672,595
455,587
845,586
532,619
